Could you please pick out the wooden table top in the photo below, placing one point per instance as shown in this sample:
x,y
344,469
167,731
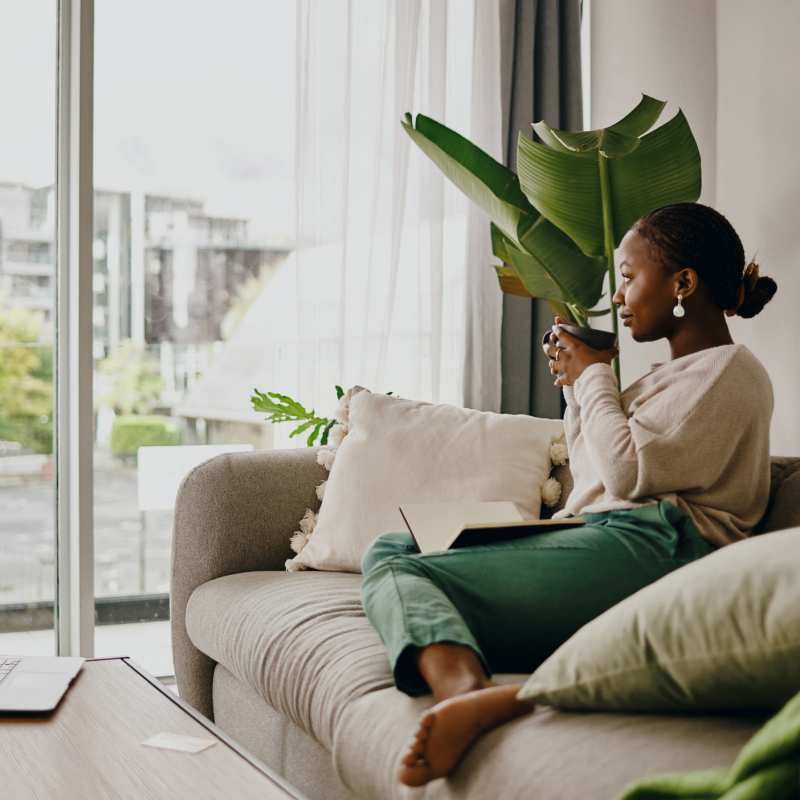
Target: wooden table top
x,y
90,747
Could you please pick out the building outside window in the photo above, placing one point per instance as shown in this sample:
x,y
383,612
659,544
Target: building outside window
x,y
191,224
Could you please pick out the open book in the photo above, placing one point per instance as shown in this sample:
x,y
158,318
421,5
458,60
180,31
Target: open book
x,y
440,526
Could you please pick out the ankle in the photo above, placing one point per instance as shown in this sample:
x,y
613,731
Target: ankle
x,y
444,688
450,669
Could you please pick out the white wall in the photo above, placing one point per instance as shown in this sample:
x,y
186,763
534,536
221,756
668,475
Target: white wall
x,y
758,182
666,49
732,66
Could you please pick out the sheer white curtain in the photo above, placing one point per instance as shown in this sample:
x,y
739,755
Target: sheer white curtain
x,y
392,279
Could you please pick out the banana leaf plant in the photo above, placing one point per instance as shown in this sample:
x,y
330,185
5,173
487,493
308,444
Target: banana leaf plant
x,y
555,226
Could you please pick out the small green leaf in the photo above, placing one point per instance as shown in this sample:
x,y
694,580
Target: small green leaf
x,y
290,405
339,392
324,440
313,436
301,428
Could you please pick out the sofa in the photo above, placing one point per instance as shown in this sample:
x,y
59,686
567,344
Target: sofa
x,y
288,665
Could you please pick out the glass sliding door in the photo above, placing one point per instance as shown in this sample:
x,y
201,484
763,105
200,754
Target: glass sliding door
x,y
194,167
28,49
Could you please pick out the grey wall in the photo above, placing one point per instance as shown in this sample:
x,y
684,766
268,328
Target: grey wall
x,y
667,49
758,182
732,66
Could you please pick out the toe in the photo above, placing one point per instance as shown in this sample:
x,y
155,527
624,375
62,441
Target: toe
x,y
416,748
427,719
415,775
411,759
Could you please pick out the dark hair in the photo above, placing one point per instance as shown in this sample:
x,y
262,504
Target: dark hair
x,y
697,236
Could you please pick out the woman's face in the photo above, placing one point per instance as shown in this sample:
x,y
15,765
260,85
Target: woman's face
x,y
644,291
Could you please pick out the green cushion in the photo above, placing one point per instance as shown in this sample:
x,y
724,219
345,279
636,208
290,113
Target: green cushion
x,y
720,633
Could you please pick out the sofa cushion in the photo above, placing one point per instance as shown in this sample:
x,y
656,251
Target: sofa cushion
x,y
783,508
720,633
300,640
549,755
401,451
274,739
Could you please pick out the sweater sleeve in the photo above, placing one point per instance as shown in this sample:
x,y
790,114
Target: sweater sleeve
x,y
572,418
665,446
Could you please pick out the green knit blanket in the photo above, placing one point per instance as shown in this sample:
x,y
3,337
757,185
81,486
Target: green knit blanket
x,y
767,768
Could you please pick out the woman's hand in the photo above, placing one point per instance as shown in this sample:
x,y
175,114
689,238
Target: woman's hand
x,y
572,357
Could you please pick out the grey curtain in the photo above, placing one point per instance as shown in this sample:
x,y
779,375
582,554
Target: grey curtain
x,y
541,79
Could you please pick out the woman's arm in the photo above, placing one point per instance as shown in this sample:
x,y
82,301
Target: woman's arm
x,y
680,437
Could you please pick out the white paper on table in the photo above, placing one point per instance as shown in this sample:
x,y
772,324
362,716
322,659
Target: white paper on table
x,y
177,741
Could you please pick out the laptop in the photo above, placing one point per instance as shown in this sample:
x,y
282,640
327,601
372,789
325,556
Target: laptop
x,y
35,683
446,525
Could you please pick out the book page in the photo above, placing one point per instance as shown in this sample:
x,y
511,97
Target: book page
x,y
436,526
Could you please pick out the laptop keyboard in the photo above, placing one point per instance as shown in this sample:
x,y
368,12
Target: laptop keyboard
x,y
6,665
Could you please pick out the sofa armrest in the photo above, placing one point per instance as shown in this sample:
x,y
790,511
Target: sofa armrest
x,y
234,513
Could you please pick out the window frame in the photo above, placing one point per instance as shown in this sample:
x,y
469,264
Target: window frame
x,y
74,415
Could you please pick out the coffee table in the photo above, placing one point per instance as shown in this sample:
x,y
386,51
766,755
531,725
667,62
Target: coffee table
x,y
91,746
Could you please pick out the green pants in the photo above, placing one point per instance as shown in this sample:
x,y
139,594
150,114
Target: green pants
x,y
515,601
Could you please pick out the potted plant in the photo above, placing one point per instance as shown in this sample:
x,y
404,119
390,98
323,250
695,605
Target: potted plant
x,y
555,226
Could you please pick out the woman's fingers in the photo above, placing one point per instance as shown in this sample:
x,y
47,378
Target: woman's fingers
x,y
549,349
565,335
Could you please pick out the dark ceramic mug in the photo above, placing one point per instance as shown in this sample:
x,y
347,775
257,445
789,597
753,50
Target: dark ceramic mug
x,y
597,340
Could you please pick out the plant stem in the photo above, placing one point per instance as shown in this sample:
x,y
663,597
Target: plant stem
x,y
608,244
580,318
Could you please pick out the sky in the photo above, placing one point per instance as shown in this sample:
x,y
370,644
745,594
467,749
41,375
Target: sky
x,y
191,98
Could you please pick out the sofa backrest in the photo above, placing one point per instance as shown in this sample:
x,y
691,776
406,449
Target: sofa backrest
x,y
783,508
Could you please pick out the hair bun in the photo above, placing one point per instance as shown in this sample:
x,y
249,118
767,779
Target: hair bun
x,y
758,291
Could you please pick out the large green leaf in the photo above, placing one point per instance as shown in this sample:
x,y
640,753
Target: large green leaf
x,y
565,184
616,140
551,267
565,188
489,184
664,169
510,283
546,262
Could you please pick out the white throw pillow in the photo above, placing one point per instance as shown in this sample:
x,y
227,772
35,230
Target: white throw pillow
x,y
402,451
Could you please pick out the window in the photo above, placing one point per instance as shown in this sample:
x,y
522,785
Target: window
x,y
170,301
27,302
193,218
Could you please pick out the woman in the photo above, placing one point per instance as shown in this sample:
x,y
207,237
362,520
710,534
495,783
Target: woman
x,y
664,472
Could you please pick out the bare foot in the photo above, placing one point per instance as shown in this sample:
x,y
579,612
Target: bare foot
x,y
455,687
451,669
447,731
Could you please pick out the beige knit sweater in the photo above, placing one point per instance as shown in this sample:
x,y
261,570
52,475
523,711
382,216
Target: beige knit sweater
x,y
694,431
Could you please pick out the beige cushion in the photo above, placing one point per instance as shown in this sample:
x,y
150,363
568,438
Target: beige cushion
x,y
547,755
721,633
300,640
301,643
402,451
274,739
